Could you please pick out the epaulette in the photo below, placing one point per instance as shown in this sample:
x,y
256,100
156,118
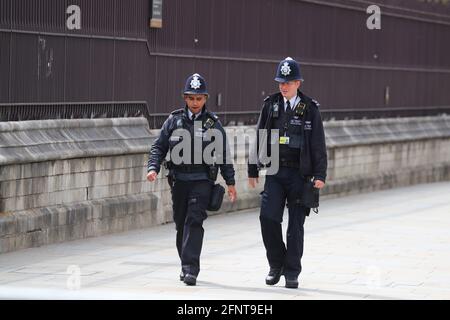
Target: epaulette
x,y
272,97
213,115
315,102
177,111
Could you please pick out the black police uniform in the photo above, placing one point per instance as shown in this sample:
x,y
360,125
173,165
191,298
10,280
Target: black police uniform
x,y
191,184
303,158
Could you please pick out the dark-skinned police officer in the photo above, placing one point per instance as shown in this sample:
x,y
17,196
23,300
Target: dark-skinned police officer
x,y
191,180
302,157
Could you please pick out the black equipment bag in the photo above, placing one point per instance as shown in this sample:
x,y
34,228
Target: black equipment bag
x,y
311,196
215,201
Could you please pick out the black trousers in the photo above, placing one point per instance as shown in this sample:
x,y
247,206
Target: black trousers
x,y
287,184
190,200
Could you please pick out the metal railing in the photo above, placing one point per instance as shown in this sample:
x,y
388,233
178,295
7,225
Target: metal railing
x,y
115,109
72,110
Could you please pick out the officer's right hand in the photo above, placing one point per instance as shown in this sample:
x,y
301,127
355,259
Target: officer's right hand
x,y
252,182
151,175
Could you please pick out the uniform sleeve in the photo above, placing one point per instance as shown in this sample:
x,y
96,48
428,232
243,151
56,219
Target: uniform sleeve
x,y
160,147
226,166
318,148
252,164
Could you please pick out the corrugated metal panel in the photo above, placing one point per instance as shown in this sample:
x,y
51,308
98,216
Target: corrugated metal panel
x,y
203,36
186,25
4,66
25,68
51,65
219,30
100,17
442,47
218,83
236,29
272,22
5,11
345,65
132,18
164,86
77,70
102,70
125,67
96,18
141,73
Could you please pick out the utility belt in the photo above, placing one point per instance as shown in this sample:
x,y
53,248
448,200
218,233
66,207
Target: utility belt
x,y
194,168
290,163
217,192
211,170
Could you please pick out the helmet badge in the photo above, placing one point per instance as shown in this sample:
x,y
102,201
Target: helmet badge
x,y
285,69
195,82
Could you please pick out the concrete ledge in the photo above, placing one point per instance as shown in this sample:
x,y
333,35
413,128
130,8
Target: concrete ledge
x,y
37,141
374,131
33,228
69,179
387,180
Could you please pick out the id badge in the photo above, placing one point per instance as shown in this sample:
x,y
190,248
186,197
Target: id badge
x,y
284,140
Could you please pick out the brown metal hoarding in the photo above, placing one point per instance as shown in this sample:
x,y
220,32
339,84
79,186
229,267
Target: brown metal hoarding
x,y
115,59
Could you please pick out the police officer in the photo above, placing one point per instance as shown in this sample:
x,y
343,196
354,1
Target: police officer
x,y
191,182
302,157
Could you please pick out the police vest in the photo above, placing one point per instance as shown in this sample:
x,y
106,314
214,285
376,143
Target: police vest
x,y
290,129
196,132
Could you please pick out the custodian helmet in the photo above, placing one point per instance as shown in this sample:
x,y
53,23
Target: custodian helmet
x,y
288,70
195,84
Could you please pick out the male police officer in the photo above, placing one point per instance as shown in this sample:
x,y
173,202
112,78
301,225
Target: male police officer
x,y
191,182
302,157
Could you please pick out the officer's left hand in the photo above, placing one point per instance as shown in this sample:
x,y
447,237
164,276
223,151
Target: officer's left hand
x,y
319,184
232,193
151,176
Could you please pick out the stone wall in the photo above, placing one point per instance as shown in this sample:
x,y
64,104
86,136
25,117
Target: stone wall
x,y
368,155
70,179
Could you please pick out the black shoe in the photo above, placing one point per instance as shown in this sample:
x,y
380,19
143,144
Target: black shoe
x,y
190,279
291,283
274,276
182,276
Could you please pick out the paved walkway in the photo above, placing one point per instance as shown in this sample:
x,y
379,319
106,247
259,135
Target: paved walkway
x,y
391,244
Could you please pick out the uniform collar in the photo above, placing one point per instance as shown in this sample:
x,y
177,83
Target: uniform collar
x,y
292,101
198,115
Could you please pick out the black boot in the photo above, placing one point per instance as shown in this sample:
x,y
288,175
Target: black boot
x,y
291,283
190,279
274,276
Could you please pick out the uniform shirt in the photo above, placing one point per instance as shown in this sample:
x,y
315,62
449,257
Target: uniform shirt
x,y
292,101
196,115
287,153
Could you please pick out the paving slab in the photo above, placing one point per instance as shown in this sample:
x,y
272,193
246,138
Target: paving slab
x,y
392,244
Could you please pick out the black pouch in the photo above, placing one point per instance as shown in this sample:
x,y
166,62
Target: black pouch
x,y
310,196
212,172
216,199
